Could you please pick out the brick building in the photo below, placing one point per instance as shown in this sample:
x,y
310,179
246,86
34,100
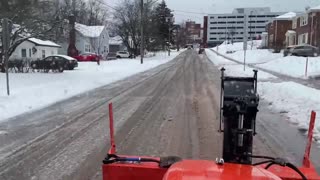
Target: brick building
x,y
194,32
306,27
277,30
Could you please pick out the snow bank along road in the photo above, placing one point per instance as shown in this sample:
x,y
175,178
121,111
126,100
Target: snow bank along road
x,y
169,110
32,91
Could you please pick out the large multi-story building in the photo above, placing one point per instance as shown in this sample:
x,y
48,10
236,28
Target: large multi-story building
x,y
234,26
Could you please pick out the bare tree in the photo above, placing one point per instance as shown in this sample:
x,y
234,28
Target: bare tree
x,y
33,23
127,24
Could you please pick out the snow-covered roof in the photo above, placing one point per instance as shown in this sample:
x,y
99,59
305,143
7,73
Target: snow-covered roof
x,y
286,16
40,42
291,32
316,8
89,31
117,40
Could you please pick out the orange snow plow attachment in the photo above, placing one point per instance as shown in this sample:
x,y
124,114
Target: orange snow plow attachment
x,y
117,167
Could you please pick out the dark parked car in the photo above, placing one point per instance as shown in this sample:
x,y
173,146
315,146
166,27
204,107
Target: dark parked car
x,y
56,63
301,50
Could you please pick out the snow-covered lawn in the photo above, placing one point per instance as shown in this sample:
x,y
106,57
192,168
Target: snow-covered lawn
x,y
294,66
235,69
254,56
295,99
36,90
286,97
290,65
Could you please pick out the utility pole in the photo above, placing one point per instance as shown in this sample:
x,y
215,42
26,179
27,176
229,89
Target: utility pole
x,y
6,31
169,20
251,29
142,35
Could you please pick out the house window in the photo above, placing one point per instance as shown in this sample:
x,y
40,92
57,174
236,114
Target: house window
x,y
87,48
52,52
29,52
23,53
304,20
294,23
303,38
43,53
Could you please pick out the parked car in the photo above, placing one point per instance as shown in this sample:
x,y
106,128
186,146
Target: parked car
x,y
71,62
123,54
88,57
56,63
301,50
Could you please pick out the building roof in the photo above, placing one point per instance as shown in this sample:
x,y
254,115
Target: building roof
x,y
316,8
286,16
117,40
89,31
291,32
40,42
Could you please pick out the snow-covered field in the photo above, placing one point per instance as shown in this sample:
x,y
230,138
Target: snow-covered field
x,y
290,65
286,97
36,90
235,69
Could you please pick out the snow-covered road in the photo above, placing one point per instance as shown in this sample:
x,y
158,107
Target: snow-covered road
x,y
32,91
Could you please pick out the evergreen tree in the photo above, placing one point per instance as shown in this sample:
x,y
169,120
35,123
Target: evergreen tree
x,y
162,26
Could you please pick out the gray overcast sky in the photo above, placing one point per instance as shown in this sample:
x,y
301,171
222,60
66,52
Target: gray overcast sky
x,y
226,6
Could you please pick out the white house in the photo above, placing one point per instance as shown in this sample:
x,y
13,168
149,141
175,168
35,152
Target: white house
x,y
34,48
89,39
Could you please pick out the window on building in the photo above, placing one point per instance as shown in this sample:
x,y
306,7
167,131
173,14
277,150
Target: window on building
x,y
43,53
303,38
213,27
231,22
213,22
221,27
261,21
221,17
87,48
304,20
259,16
252,21
30,52
222,22
24,53
240,22
251,16
294,23
260,27
230,17
240,16
211,17
213,38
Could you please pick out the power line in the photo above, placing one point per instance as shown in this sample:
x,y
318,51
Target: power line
x,y
191,12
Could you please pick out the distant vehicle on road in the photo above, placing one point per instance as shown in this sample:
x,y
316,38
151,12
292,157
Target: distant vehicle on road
x,y
189,46
123,54
301,50
88,57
